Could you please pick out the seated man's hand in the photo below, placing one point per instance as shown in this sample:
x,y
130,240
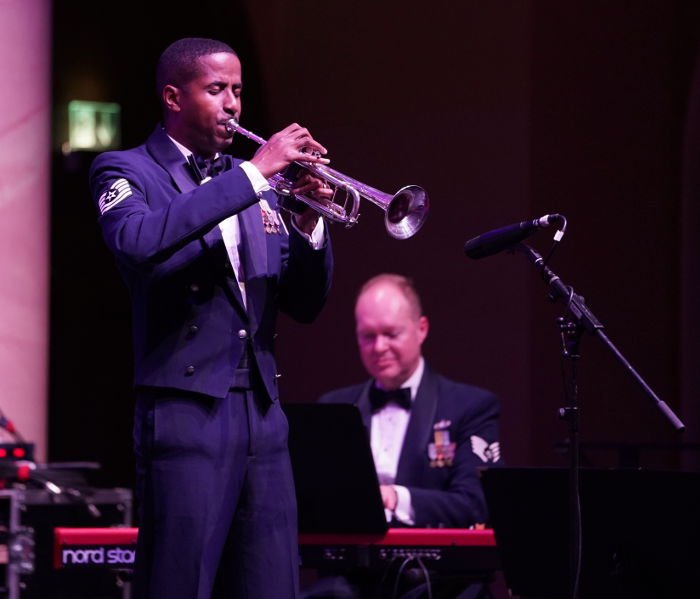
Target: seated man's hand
x,y
389,496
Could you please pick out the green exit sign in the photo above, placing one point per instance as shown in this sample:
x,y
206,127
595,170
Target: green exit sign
x,y
94,125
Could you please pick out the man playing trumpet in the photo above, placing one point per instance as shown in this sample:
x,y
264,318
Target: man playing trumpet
x,y
208,261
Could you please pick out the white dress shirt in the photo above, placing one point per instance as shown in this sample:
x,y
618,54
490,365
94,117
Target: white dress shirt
x,y
387,433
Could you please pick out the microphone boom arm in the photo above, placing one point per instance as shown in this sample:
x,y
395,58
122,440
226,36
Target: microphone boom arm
x,y
583,317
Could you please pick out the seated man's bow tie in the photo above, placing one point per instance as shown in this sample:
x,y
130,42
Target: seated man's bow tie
x,y
206,167
378,398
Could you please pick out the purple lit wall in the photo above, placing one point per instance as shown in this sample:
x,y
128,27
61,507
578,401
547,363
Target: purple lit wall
x,y
25,109
503,111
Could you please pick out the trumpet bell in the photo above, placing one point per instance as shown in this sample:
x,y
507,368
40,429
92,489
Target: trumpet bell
x,y
406,212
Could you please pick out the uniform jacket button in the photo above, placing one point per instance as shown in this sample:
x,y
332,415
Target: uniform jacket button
x,y
189,370
194,287
243,334
194,329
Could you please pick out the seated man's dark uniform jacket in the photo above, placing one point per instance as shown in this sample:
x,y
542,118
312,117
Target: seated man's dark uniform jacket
x,y
442,495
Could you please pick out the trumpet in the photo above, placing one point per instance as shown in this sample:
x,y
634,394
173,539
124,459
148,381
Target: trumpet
x,y
404,212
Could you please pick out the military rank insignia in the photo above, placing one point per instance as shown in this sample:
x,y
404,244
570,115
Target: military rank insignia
x,y
118,191
270,218
442,451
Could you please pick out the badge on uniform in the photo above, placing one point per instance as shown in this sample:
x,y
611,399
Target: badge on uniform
x,y
442,451
270,218
117,192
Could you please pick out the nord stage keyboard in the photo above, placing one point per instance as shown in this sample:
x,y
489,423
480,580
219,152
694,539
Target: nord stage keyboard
x,y
459,550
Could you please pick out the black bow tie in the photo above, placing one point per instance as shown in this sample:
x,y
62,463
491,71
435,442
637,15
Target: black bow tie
x,y
378,398
206,167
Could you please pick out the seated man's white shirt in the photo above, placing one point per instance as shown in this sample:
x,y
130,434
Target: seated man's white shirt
x,y
387,434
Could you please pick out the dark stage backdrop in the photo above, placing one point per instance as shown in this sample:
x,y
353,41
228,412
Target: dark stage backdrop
x,y
503,111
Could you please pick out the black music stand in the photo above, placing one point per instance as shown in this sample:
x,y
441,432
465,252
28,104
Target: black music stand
x,y
641,532
336,482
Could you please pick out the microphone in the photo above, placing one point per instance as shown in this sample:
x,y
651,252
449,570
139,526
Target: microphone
x,y
497,240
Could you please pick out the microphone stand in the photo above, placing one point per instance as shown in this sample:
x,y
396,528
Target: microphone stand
x,y
580,319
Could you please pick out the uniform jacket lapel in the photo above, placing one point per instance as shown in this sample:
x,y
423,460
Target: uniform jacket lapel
x,y
420,426
254,261
166,153
254,243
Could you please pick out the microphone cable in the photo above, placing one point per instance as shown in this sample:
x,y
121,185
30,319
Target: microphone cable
x,y
426,575
397,580
424,570
558,235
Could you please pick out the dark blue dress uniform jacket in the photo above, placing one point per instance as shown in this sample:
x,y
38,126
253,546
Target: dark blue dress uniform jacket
x,y
189,323
449,495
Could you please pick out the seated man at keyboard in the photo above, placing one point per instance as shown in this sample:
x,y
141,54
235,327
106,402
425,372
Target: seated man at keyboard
x,y
429,435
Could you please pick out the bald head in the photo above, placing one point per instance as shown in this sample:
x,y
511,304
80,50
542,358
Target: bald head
x,y
403,284
390,329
